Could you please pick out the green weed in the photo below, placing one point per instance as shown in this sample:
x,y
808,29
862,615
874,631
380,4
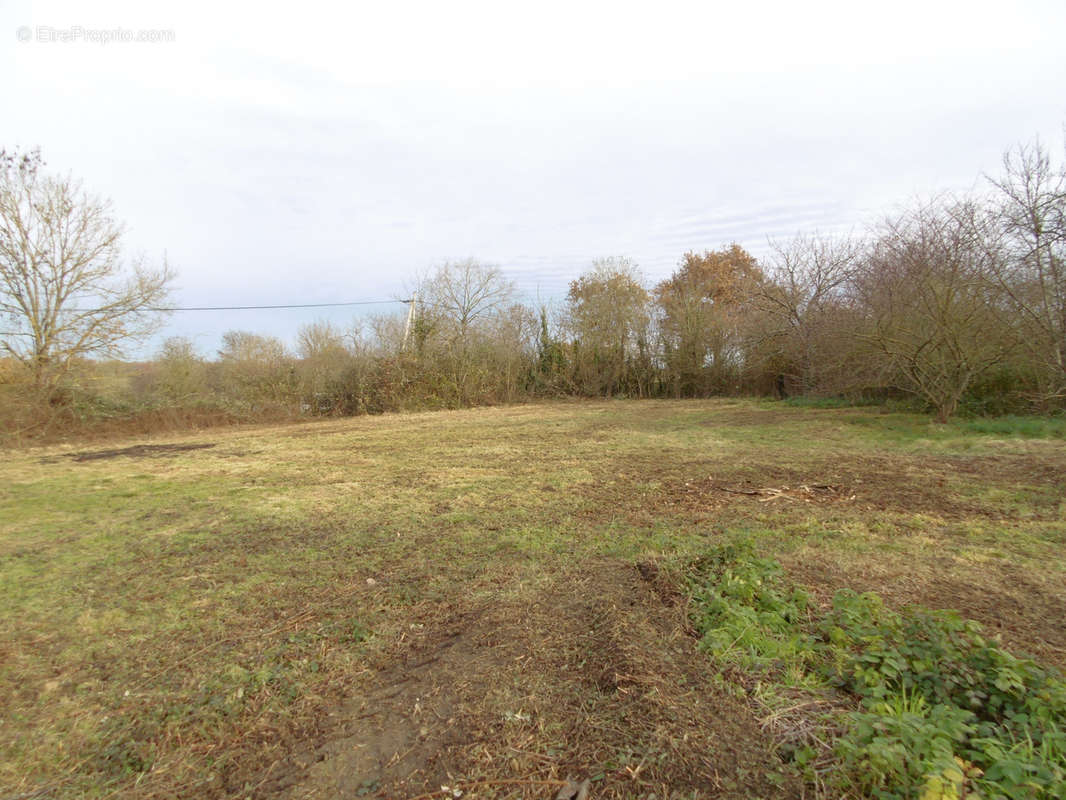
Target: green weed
x,y
944,710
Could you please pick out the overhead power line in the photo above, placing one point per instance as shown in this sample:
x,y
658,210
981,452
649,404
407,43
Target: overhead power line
x,y
272,307
253,308
289,305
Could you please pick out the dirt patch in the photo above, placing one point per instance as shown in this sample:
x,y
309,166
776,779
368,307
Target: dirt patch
x,y
667,587
1027,616
400,732
929,485
938,484
591,677
136,451
718,493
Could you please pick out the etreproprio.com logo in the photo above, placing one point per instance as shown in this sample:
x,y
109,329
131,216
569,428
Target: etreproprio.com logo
x,y
75,34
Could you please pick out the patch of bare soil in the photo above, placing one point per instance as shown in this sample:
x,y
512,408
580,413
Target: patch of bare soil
x,y
1027,616
918,483
871,483
136,451
592,678
717,493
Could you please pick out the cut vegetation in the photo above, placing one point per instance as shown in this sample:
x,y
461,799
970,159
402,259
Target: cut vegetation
x,y
644,595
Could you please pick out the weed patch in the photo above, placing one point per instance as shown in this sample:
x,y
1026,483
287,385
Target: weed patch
x,y
928,705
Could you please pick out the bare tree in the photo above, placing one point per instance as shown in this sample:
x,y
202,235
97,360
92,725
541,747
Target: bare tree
x,y
928,287
458,304
323,360
64,289
511,350
463,292
803,300
1032,211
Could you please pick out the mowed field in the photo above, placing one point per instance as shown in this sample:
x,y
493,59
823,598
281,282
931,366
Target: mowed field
x,y
476,599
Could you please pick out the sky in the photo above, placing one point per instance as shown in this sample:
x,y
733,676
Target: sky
x,y
325,152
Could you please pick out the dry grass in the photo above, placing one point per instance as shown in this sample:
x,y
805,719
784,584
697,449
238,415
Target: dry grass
x,y
214,621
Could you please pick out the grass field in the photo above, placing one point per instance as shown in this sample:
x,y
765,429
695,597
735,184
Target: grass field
x,y
474,599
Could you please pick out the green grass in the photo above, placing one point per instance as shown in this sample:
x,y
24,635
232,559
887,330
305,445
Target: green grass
x,y
813,401
1026,427
226,589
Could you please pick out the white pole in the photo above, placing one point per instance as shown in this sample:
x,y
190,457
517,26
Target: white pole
x,y
410,318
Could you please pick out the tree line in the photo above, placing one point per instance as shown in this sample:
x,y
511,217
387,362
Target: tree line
x,y
957,303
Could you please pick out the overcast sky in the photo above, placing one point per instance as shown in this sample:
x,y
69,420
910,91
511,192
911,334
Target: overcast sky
x,y
328,152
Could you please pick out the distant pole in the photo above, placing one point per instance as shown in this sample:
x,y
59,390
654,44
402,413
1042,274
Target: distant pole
x,y
410,319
